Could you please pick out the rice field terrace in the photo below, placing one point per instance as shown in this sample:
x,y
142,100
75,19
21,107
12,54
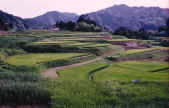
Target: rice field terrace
x,y
34,59
49,69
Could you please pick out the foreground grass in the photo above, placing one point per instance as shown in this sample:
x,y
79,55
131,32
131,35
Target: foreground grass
x,y
132,70
22,88
112,87
109,94
35,59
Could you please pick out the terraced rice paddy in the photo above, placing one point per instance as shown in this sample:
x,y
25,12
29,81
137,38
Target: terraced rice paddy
x,y
133,70
79,73
123,71
145,50
122,40
34,59
73,41
87,78
2,56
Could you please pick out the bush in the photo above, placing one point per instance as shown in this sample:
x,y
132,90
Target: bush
x,y
23,77
19,93
4,67
79,94
22,89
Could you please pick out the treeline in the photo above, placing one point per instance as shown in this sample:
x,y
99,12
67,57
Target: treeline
x,y
82,24
142,33
139,34
165,28
4,26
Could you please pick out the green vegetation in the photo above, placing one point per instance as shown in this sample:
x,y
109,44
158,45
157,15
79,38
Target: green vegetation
x,y
77,94
34,59
22,89
2,56
111,77
145,50
85,25
132,70
80,72
122,40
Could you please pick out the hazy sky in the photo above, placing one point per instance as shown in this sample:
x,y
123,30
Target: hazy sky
x,y
31,8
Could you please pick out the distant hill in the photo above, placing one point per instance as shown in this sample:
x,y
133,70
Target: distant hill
x,y
130,17
11,20
50,18
149,18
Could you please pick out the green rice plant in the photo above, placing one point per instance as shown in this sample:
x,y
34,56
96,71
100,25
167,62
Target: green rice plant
x,y
97,45
80,72
132,70
35,59
2,55
64,62
113,94
122,40
53,42
133,51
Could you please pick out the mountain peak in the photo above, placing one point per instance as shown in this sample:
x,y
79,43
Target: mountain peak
x,y
120,5
130,17
50,18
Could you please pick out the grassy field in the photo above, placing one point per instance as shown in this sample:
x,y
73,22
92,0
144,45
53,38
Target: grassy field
x,y
123,71
34,59
113,94
2,56
101,84
132,70
145,50
80,72
73,43
122,40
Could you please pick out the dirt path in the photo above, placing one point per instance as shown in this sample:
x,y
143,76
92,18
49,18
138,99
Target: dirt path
x,y
52,72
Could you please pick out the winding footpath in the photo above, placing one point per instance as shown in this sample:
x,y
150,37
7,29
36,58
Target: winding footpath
x,y
52,72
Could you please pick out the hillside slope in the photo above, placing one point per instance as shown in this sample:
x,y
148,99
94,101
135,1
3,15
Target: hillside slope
x,y
50,18
131,17
12,21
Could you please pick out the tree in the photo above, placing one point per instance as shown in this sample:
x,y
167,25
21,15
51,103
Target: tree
x,y
139,34
70,25
66,25
5,26
165,28
83,18
122,31
167,23
81,25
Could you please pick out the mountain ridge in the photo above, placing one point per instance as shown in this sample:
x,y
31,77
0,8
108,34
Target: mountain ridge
x,y
130,17
50,18
111,18
14,22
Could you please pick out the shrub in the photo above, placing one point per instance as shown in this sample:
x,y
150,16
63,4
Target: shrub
x,y
23,77
19,93
22,89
